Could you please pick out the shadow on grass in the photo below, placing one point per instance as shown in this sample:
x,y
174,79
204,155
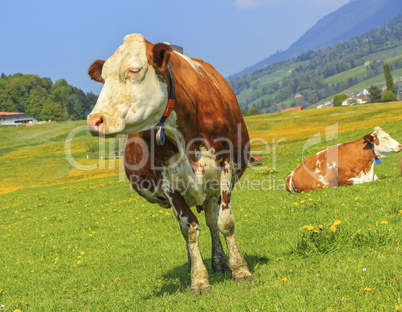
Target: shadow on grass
x,y
178,278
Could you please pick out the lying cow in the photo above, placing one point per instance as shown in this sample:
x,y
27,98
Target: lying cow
x,y
187,144
343,164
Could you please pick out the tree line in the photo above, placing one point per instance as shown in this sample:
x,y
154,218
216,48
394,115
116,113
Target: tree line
x,y
44,100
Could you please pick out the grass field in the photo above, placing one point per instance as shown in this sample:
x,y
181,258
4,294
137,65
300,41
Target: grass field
x,y
81,240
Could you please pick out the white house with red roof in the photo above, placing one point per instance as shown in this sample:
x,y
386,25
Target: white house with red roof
x,y
15,119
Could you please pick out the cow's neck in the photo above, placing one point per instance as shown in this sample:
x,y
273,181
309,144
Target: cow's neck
x,y
368,148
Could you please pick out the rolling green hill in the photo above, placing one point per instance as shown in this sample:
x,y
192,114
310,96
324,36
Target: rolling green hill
x,y
320,75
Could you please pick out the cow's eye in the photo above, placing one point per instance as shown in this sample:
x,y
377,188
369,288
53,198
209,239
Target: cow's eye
x,y
133,71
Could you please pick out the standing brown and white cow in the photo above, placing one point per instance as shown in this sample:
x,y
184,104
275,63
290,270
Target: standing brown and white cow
x,y
343,164
187,144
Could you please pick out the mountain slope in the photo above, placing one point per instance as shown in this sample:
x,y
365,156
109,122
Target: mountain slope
x,y
351,20
314,77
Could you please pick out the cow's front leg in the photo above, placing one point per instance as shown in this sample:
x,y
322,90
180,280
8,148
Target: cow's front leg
x,y
190,229
226,224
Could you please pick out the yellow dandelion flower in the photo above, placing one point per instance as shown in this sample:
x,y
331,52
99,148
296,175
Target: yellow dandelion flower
x,y
82,253
368,289
398,307
384,222
321,227
284,279
333,228
56,259
337,222
400,211
356,198
78,262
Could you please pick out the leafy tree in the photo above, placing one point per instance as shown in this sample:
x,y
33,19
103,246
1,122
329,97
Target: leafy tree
x,y
90,101
339,98
52,111
40,98
375,94
389,81
253,111
388,96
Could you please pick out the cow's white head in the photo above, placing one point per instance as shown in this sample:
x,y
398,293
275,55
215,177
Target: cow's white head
x,y
135,91
382,142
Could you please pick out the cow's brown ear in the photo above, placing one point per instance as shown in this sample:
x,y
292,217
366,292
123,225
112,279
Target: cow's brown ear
x,y
368,138
95,71
161,55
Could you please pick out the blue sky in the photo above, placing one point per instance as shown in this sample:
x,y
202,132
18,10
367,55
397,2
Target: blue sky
x,y
60,39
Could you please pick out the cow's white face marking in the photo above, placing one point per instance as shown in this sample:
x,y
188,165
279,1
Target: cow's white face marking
x,y
387,145
133,98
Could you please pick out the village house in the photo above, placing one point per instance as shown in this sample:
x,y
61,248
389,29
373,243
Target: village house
x,y
326,104
355,100
367,63
364,92
9,118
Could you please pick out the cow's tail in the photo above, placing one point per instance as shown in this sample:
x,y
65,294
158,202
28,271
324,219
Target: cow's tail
x,y
290,187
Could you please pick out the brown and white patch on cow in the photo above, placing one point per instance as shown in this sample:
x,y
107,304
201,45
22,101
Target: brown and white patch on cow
x,y
194,64
192,179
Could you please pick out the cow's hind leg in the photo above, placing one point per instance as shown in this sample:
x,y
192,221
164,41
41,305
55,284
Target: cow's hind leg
x,y
219,261
226,224
190,229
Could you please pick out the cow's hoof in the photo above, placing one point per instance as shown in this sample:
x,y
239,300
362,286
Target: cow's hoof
x,y
200,290
244,279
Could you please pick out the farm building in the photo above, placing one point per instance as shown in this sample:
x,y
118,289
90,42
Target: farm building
x,y
355,100
326,104
8,118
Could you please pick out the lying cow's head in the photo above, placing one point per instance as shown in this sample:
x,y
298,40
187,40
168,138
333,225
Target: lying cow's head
x,y
382,142
135,90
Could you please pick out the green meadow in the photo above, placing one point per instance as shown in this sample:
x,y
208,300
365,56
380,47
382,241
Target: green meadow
x,y
75,237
